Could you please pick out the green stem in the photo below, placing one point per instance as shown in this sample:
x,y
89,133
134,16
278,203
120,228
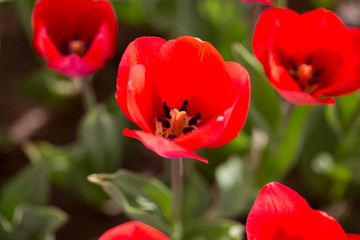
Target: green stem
x,y
281,3
88,94
177,178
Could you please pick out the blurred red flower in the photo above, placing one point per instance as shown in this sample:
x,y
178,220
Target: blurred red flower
x,y
308,58
279,213
182,95
260,1
133,231
76,37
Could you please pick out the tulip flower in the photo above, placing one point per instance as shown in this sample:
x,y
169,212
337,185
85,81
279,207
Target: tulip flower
x,y
308,58
76,37
182,95
133,231
279,213
260,1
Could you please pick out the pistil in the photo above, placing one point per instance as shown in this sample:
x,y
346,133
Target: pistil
x,y
174,123
77,47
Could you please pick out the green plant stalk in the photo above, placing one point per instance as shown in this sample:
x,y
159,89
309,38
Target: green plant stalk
x,y
281,3
177,181
87,91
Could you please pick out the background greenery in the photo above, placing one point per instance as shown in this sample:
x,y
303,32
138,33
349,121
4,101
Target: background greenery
x,y
49,143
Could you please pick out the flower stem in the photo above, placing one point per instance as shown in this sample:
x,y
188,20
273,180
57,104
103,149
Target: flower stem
x,y
88,95
281,3
177,177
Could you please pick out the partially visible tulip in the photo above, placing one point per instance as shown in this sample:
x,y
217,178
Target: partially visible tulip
x,y
133,231
308,58
260,1
182,95
279,213
75,37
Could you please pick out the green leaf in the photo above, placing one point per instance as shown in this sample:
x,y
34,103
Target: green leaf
x,y
35,223
68,169
323,3
49,87
214,229
28,186
347,107
141,198
268,110
196,195
101,139
236,188
282,157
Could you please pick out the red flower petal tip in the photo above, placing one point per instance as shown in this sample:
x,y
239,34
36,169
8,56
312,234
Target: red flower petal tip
x,y
133,231
259,1
182,95
75,37
308,58
279,213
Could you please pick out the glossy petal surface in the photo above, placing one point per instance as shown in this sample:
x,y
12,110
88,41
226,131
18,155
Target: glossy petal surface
x,y
133,231
279,213
284,41
154,72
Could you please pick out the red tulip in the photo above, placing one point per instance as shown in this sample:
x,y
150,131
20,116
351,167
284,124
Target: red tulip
x,y
133,231
279,213
182,95
308,58
260,1
76,37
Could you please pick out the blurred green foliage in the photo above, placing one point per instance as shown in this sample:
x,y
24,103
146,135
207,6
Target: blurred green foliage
x,y
316,148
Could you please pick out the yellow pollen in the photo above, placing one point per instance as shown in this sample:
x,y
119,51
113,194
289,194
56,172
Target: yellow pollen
x,y
77,47
305,72
178,124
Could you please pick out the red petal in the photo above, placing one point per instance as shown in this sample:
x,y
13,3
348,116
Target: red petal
x,y
203,136
43,44
274,201
286,86
352,236
268,24
73,66
235,116
191,69
162,146
139,94
311,225
133,231
352,82
142,51
260,1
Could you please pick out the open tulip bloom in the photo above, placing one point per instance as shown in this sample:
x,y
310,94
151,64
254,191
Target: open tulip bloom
x,y
76,37
182,95
279,213
308,58
133,231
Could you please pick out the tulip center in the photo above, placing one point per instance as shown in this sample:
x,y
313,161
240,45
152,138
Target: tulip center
x,y
77,47
304,77
174,123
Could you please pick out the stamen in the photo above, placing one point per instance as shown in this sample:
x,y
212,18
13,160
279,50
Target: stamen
x,y
167,110
77,47
183,107
187,129
171,137
178,122
193,121
164,122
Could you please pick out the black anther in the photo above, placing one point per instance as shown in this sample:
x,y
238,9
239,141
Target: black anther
x,y
171,137
193,120
167,110
187,129
183,107
164,122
